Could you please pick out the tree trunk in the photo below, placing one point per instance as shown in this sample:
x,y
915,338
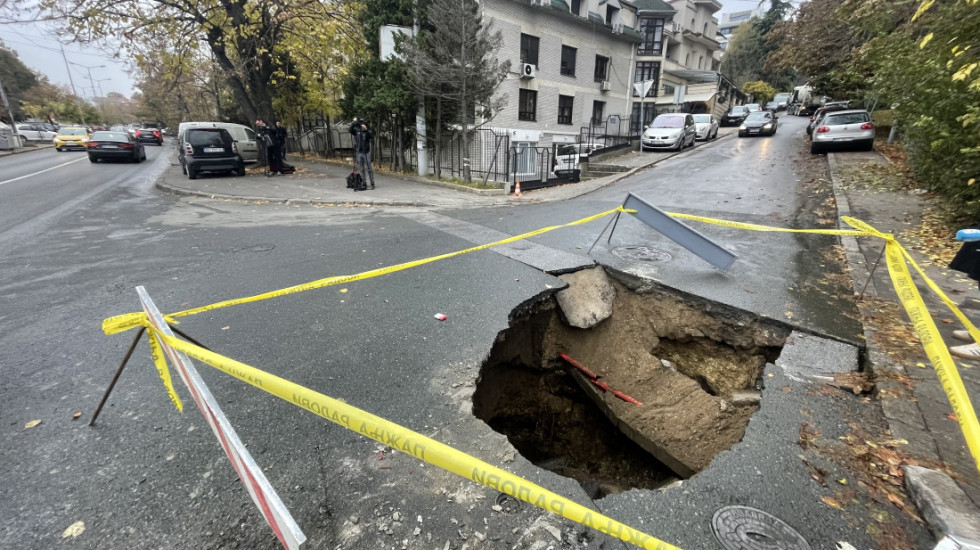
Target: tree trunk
x,y
437,166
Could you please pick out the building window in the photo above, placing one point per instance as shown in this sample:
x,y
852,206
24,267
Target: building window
x,y
668,89
687,60
565,103
577,7
701,62
652,29
598,107
601,68
527,105
568,60
529,49
647,70
612,16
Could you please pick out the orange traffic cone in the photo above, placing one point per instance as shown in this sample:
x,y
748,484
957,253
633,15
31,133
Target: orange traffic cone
x,y
517,189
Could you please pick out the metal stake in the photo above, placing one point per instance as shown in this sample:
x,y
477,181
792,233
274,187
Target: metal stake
x,y
188,338
122,365
871,274
615,218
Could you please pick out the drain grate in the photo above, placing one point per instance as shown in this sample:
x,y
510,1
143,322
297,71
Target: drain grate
x,y
641,253
746,528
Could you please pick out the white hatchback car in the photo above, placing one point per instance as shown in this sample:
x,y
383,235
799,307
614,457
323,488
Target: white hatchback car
x,y
850,128
706,127
670,131
34,132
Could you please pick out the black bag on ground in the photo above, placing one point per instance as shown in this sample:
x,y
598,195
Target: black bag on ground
x,y
355,181
286,168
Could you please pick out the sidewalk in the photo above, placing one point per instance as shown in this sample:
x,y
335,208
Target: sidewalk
x,y
34,146
325,183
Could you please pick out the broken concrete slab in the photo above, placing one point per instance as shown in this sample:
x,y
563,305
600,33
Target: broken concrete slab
x,y
944,506
588,300
806,356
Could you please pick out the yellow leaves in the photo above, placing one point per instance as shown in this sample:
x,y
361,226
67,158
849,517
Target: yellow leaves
x,y
31,424
925,40
964,72
832,502
923,7
971,181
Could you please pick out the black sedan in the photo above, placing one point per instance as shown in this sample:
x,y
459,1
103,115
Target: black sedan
x,y
150,135
115,145
758,123
735,116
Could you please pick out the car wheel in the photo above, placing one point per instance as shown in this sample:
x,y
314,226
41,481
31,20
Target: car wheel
x,y
58,149
868,146
92,159
191,174
240,171
815,149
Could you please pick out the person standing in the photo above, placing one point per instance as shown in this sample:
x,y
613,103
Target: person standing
x,y
967,261
362,153
281,140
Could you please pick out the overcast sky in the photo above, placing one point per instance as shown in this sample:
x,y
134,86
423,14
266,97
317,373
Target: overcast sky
x,y
40,50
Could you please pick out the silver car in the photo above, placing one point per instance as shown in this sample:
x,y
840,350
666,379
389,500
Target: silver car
x,y
849,128
670,131
706,127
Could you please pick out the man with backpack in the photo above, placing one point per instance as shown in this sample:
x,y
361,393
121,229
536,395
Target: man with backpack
x,y
362,139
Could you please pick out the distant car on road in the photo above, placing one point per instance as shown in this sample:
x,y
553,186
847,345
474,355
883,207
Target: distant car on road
x,y
670,131
149,135
71,137
30,131
706,127
759,123
735,116
779,102
208,150
753,107
116,146
849,128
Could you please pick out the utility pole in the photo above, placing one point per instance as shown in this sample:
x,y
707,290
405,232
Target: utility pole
x,y
71,80
420,137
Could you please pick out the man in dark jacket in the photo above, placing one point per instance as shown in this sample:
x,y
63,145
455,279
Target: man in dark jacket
x,y
362,139
281,140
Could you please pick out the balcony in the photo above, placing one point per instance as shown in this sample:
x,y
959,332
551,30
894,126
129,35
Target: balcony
x,y
713,5
673,31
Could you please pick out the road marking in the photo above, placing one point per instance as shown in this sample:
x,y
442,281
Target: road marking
x,y
42,171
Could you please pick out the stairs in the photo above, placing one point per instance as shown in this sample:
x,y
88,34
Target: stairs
x,y
599,170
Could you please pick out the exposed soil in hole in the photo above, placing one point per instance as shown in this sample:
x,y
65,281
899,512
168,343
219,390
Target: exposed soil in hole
x,y
693,365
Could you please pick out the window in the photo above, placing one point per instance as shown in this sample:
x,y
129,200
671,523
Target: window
x,y
687,60
701,62
601,68
597,112
527,105
568,60
565,103
529,49
647,70
705,32
648,111
668,89
652,29
577,7
612,16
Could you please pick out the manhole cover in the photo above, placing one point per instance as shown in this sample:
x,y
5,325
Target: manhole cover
x,y
641,253
745,528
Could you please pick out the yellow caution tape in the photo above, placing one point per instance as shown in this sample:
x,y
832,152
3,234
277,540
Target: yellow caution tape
x,y
415,444
161,363
121,323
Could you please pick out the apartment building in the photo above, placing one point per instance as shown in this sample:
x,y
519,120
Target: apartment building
x,y
731,21
571,64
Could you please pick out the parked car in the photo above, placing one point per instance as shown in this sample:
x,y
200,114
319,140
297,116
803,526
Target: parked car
x,y
753,107
848,128
706,127
779,102
71,137
208,150
115,145
670,131
149,135
757,124
819,113
248,143
30,131
568,156
735,116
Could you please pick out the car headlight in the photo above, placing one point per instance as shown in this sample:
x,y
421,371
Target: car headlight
x,y
742,127
766,125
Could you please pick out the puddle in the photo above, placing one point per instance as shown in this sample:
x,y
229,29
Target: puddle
x,y
695,366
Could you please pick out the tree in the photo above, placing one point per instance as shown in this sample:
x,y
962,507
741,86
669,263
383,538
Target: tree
x,y
456,61
760,90
17,80
752,44
245,37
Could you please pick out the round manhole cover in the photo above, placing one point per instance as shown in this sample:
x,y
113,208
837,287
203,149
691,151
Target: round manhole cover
x,y
745,528
641,253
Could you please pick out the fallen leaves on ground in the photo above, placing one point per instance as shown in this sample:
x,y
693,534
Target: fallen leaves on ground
x,y
31,424
855,382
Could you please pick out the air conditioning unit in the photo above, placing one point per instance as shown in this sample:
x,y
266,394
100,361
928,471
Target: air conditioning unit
x,y
617,28
528,70
604,86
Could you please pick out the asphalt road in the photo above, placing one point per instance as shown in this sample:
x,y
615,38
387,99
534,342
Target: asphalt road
x,y
147,476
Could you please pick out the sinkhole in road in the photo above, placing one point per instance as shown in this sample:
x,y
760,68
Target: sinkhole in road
x,y
696,366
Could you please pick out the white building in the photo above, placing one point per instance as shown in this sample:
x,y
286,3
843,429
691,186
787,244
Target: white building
x,y
731,21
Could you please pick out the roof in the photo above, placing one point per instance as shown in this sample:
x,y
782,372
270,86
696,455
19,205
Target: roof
x,y
656,6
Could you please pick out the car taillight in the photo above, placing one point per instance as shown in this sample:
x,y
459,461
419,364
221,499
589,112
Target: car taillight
x,y
234,147
126,145
188,149
93,144
868,126
156,134
137,134
823,130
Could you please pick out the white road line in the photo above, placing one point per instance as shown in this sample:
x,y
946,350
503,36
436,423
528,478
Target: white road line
x,y
43,171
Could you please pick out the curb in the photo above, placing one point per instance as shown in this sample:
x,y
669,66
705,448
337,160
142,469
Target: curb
x,y
950,514
22,150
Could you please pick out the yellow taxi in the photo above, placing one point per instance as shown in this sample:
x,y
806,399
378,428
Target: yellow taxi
x,y
71,137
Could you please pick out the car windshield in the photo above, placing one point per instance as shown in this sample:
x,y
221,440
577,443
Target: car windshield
x,y
73,132
109,136
568,150
752,106
740,110
205,138
758,116
845,118
702,118
668,122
